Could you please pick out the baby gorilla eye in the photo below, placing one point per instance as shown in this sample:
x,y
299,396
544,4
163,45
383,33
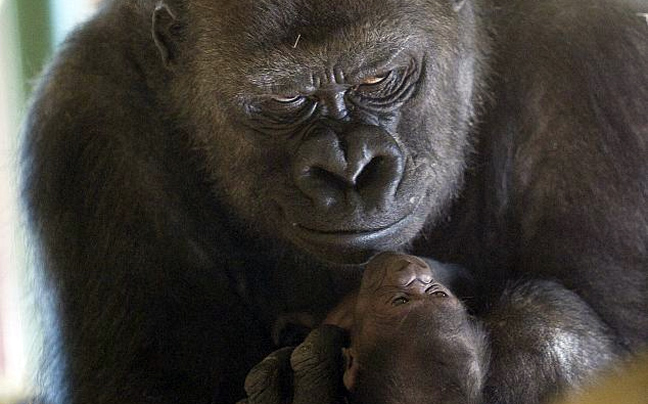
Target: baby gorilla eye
x,y
400,300
436,292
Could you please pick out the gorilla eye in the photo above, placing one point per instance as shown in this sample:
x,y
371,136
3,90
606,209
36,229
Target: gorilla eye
x,y
287,99
281,114
400,300
373,80
386,90
373,83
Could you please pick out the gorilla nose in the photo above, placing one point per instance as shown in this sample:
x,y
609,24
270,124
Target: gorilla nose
x,y
363,166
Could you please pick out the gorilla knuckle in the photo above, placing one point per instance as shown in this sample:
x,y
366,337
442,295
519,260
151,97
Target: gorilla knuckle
x,y
320,352
305,357
260,377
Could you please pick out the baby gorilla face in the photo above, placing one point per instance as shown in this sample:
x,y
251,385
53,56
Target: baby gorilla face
x,y
411,333
399,292
393,283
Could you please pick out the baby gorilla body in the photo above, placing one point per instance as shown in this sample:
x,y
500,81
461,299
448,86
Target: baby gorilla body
x,y
414,341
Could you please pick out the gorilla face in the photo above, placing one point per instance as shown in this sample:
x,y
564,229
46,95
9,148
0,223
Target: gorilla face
x,y
341,131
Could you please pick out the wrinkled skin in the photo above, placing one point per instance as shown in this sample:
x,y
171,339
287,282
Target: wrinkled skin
x,y
195,169
410,332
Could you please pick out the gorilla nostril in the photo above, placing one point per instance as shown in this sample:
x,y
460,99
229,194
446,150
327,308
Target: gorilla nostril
x,y
371,173
378,181
337,180
323,187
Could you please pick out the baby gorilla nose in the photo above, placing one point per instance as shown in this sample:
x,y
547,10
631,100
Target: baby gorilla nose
x,y
414,270
400,270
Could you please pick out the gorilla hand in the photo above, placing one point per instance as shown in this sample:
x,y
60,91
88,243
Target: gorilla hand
x,y
311,373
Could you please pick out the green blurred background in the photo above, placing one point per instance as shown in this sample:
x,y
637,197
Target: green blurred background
x,y
30,31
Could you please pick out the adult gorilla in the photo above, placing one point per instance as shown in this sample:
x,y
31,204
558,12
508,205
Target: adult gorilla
x,y
194,167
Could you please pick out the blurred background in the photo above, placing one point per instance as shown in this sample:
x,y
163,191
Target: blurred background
x,y
30,31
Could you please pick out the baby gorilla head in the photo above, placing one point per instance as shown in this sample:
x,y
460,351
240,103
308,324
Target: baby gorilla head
x,y
412,340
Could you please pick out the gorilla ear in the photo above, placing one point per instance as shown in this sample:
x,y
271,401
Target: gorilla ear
x,y
167,33
457,4
350,368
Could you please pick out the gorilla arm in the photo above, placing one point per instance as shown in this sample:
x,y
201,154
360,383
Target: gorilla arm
x,y
119,222
576,130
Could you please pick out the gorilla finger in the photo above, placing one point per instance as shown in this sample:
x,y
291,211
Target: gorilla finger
x,y
317,366
270,382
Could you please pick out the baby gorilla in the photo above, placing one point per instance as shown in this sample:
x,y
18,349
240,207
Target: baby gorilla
x,y
413,341
412,338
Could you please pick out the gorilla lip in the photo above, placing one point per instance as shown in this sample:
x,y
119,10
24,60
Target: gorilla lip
x,y
357,232
348,245
352,245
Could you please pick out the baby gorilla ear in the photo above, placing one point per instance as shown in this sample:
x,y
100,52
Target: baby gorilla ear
x,y
167,33
350,368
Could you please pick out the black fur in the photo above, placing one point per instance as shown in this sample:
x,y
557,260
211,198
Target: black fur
x,y
173,213
543,340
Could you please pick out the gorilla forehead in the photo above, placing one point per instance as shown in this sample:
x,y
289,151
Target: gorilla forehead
x,y
306,68
280,44
253,27
323,17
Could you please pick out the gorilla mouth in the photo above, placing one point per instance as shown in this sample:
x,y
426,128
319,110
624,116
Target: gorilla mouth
x,y
352,232
352,246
